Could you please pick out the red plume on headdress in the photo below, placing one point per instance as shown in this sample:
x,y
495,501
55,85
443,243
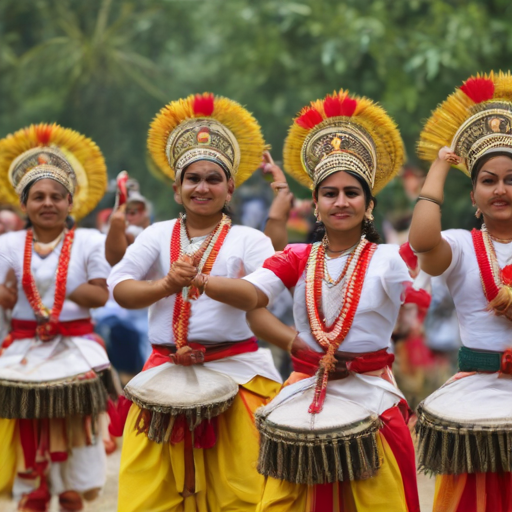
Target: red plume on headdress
x,y
309,118
203,104
478,89
44,132
339,106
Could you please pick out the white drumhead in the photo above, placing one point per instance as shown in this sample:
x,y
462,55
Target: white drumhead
x,y
480,399
338,413
170,385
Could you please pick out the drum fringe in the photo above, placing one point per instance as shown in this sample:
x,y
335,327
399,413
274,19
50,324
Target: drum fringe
x,y
155,422
23,400
448,448
316,458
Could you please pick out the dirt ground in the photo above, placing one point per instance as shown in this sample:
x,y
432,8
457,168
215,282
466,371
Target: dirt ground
x,y
107,502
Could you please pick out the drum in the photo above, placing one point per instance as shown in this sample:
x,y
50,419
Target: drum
x,y
337,444
466,426
57,379
168,390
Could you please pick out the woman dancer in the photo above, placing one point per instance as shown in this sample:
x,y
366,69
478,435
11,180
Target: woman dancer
x,y
335,437
51,364
464,427
190,443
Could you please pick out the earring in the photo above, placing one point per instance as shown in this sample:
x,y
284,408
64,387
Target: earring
x,y
316,213
478,213
369,216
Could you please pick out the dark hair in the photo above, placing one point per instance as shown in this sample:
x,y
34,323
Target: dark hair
x,y
367,226
226,210
483,160
70,222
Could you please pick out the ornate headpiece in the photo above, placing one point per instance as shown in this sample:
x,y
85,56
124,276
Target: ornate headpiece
x,y
61,154
206,127
475,120
343,133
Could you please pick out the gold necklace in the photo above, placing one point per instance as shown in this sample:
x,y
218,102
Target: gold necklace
x,y
500,240
43,249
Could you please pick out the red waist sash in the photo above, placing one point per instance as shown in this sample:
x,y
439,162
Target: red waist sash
x,y
204,353
307,361
21,329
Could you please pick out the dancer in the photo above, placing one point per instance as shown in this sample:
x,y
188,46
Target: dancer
x,y
190,442
464,428
335,437
51,365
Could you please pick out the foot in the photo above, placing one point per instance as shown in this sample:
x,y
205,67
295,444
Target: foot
x,y
36,501
70,501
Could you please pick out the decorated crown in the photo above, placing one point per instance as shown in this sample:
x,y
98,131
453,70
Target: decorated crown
x,y
343,133
206,127
474,121
51,151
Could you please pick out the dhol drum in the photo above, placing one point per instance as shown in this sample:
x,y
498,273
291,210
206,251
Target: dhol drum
x,y
169,390
466,426
64,377
337,444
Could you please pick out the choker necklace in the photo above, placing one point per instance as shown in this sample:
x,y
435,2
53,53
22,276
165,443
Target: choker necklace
x,y
325,243
500,240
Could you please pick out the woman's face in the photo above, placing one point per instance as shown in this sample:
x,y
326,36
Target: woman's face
x,y
492,192
48,204
341,202
204,189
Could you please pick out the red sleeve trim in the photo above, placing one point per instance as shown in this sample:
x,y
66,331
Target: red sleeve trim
x,y
289,264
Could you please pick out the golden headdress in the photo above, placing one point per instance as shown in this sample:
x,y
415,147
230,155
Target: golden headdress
x,y
51,151
206,127
474,121
343,132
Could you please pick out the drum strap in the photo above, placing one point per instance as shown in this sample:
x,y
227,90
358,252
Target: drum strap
x,y
308,362
478,361
164,354
22,329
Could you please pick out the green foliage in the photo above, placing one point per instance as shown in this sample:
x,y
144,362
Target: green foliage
x,y
105,67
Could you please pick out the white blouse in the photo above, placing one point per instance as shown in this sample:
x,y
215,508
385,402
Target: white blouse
x,y
243,251
87,262
479,329
381,298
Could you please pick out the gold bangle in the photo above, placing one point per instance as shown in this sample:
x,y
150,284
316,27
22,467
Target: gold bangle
x,y
290,345
431,199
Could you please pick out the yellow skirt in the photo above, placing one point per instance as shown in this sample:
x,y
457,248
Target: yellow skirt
x,y
152,475
382,493
8,450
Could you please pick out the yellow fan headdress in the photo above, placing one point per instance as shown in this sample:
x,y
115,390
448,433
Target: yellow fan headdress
x,y
206,127
50,151
474,121
343,133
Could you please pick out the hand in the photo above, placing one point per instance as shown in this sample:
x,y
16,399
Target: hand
x,y
268,166
180,275
298,345
119,216
187,356
447,155
8,296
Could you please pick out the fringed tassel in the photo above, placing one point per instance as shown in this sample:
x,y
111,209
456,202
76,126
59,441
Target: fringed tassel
x,y
327,364
501,302
445,448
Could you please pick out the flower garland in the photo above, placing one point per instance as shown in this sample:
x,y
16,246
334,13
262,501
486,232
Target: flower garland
x,y
331,337
206,254
496,282
47,320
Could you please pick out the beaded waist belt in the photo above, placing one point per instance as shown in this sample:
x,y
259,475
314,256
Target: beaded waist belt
x,y
479,361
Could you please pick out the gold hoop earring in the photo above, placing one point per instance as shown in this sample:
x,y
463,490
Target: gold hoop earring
x,y
478,213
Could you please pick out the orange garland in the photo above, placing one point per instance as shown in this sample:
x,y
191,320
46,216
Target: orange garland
x,y
182,307
331,337
47,320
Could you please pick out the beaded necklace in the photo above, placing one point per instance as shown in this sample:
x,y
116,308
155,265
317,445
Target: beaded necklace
x,y
496,281
206,254
331,337
47,320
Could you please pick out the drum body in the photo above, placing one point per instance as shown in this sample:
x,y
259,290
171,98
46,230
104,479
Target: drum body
x,y
167,391
466,425
337,444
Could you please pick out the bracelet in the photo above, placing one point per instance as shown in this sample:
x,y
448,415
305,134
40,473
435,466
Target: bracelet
x,y
290,345
431,199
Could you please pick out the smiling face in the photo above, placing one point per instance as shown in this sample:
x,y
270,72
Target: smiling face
x,y
204,188
492,190
48,204
341,202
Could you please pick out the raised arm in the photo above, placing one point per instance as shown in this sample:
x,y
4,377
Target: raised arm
x,y
116,242
434,253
